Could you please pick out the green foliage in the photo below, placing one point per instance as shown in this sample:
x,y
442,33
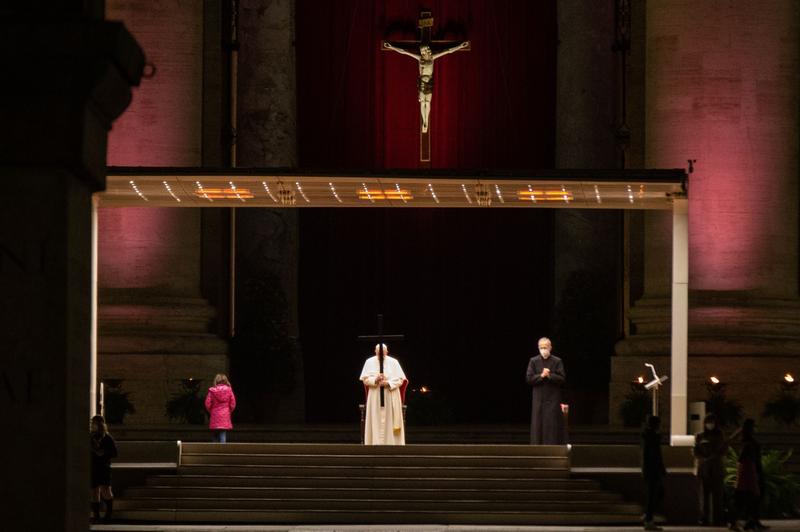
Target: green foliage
x,y
116,403
781,488
428,409
784,408
637,404
187,405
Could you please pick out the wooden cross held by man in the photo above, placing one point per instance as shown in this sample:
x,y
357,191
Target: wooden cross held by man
x,y
425,51
380,338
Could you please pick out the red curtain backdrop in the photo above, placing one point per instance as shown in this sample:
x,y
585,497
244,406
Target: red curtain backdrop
x,y
471,288
493,106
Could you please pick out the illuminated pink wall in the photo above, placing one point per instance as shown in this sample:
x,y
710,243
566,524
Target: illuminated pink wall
x,y
149,248
157,250
162,126
722,80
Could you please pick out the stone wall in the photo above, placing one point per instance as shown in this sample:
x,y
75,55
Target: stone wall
x,y
721,88
587,243
267,239
153,321
71,80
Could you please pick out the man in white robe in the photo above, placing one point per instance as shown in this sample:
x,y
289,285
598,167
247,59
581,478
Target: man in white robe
x,y
384,424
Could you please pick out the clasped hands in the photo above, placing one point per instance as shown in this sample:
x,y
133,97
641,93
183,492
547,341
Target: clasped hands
x,y
546,373
381,380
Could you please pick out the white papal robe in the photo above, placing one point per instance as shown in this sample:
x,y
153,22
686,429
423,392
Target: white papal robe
x,y
384,425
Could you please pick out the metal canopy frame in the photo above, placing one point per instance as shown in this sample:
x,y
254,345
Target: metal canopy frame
x,y
292,188
282,187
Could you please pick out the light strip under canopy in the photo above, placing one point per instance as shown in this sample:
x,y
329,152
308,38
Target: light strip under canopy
x,y
270,187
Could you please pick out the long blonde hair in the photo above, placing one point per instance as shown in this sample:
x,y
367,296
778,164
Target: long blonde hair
x,y
221,378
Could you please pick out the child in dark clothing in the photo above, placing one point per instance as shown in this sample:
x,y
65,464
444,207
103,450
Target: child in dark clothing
x,y
653,469
103,449
749,480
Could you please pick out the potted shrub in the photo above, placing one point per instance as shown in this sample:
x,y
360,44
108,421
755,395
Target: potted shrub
x,y
116,402
186,406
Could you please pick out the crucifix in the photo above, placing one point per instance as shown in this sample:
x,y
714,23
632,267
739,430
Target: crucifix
x,y
381,338
425,51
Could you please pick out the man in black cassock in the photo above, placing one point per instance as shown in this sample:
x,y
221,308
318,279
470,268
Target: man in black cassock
x,y
546,376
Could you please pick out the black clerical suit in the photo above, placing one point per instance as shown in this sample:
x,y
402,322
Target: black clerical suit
x,y
653,470
547,421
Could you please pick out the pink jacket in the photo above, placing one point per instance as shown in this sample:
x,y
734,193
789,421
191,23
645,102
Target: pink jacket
x,y
220,402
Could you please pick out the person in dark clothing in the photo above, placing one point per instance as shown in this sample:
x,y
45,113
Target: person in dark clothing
x,y
546,375
749,480
103,450
653,469
710,449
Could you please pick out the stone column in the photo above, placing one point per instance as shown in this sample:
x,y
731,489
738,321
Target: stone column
x,y
267,239
587,243
154,324
721,88
68,77
679,338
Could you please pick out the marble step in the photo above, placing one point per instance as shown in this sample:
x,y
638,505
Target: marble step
x,y
387,450
346,483
355,460
372,482
354,505
313,491
388,471
381,516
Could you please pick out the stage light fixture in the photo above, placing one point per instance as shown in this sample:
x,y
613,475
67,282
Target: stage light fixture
x,y
466,194
378,194
171,193
269,192
545,195
300,190
286,195
483,195
135,188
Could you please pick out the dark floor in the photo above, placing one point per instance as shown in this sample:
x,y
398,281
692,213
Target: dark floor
x,y
781,526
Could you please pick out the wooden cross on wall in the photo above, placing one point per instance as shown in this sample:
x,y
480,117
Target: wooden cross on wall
x,y
425,51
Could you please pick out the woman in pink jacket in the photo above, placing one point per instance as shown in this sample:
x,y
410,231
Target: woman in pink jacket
x,y
220,403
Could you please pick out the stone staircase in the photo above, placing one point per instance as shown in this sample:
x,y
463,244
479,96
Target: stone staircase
x,y
344,483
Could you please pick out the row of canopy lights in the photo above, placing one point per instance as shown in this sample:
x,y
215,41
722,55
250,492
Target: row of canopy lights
x,y
287,194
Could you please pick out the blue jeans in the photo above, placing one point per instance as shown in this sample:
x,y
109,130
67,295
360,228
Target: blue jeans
x,y
219,436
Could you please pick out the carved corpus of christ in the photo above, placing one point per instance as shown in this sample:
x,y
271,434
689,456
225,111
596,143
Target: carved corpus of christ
x,y
425,58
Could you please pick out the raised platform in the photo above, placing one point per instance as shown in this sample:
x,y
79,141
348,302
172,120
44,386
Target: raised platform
x,y
349,433
346,483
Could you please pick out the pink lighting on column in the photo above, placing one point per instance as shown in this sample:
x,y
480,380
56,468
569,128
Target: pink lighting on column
x,y
162,126
157,249
721,88
141,247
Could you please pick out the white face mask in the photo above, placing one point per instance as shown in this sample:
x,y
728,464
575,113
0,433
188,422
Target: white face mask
x,y
544,352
